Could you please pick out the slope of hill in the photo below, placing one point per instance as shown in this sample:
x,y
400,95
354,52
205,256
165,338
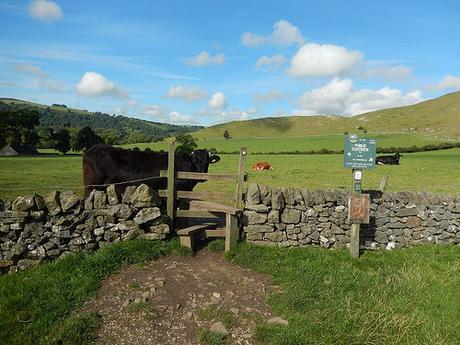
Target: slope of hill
x,y
127,128
438,118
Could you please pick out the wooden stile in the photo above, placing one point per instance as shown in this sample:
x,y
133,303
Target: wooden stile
x,y
171,199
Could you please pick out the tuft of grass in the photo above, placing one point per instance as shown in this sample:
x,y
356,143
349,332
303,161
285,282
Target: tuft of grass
x,y
80,329
217,245
134,285
136,307
183,251
408,296
37,305
212,313
207,337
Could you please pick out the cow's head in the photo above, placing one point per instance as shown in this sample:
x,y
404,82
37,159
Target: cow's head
x,y
201,160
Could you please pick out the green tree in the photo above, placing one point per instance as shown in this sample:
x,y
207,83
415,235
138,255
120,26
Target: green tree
x,y
187,143
85,138
62,141
226,135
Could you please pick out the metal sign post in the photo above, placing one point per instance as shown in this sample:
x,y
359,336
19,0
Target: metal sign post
x,y
358,154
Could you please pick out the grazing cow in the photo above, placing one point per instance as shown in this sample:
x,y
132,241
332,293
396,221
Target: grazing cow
x,y
261,166
388,160
105,164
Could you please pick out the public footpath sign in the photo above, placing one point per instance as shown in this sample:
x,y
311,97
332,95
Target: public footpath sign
x,y
359,153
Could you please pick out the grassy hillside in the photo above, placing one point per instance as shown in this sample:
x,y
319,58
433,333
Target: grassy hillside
x,y
124,128
437,119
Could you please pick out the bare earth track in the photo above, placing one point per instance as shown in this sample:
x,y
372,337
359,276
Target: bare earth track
x,y
172,299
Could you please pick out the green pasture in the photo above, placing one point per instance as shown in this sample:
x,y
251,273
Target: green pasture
x,y
435,171
302,144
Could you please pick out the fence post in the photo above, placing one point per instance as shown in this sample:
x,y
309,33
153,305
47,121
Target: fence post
x,y
240,179
171,198
383,183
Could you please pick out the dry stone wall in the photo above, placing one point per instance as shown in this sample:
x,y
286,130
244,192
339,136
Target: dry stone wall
x,y
35,228
295,217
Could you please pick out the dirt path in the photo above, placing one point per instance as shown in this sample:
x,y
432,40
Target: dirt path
x,y
174,298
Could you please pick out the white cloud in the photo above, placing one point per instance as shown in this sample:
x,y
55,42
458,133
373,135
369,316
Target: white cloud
x,y
234,115
93,84
204,59
218,101
180,118
51,85
270,62
339,97
45,10
313,60
186,93
398,72
31,70
270,96
284,33
154,110
449,82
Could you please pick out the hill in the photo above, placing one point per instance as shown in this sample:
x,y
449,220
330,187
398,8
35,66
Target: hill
x,y
120,129
438,118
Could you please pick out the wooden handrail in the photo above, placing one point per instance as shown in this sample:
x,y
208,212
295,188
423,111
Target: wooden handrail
x,y
183,194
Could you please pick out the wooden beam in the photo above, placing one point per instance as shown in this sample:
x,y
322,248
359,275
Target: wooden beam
x,y
383,183
213,207
171,196
231,232
197,214
240,179
215,233
182,194
187,175
354,241
194,228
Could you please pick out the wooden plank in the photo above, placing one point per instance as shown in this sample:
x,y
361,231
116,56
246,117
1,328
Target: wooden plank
x,y
187,175
383,183
231,232
215,233
186,241
171,196
195,228
182,194
240,179
197,214
354,241
214,207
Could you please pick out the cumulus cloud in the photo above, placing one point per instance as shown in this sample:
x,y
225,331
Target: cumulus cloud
x,y
218,101
154,110
265,97
51,85
93,84
314,60
179,118
270,62
284,33
398,72
205,59
449,82
30,70
45,10
186,93
339,97
234,115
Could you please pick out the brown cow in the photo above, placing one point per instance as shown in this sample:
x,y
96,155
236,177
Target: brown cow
x,y
262,166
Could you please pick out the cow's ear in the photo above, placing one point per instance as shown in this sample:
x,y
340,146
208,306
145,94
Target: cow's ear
x,y
214,159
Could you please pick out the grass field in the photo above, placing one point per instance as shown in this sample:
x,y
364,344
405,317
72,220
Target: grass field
x,y
408,296
435,171
291,144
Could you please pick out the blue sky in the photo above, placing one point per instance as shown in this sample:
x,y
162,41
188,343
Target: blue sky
x,y
206,62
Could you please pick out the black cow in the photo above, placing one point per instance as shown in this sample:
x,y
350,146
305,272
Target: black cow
x,y
105,164
388,160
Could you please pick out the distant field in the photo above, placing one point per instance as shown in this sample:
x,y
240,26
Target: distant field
x,y
436,171
290,144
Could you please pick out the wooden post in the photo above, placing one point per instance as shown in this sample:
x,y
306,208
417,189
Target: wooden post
x,y
355,228
171,198
383,183
231,231
240,179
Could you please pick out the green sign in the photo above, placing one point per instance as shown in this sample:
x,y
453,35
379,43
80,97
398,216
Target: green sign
x,y
359,153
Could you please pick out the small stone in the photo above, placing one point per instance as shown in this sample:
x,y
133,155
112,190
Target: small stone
x,y
216,294
277,321
160,281
147,214
112,195
234,311
127,302
219,328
